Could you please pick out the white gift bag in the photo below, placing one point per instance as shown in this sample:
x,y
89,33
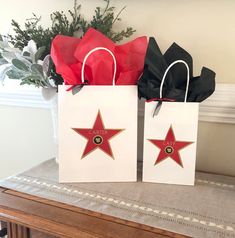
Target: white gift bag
x,y
170,139
98,132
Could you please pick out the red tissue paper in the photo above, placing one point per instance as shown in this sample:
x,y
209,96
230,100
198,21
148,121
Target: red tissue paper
x,y
68,54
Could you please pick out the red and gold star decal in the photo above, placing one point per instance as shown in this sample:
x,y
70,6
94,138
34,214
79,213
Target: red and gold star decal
x,y
98,137
169,148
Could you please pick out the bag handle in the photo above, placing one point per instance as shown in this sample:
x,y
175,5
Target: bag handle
x,y
92,51
188,77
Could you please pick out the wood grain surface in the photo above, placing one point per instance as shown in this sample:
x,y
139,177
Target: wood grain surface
x,y
31,216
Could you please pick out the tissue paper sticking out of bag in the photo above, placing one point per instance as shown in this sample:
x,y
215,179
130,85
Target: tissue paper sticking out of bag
x,y
68,54
200,87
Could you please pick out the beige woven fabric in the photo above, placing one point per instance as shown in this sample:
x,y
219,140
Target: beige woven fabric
x,y
205,210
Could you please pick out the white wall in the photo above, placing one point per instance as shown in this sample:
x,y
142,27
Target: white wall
x,y
26,138
216,142
205,28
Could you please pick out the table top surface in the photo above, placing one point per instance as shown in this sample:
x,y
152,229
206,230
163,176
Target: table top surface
x,y
63,220
35,198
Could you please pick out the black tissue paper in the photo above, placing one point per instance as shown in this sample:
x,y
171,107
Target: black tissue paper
x,y
200,87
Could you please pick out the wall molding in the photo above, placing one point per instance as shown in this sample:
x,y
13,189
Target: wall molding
x,y
220,107
22,96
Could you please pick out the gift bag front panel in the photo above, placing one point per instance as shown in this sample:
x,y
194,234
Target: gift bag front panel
x,y
115,107
175,123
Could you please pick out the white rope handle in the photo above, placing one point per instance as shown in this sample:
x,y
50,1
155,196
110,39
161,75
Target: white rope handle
x,y
92,51
164,77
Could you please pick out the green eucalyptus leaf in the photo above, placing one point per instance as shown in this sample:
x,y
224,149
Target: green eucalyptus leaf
x,y
38,76
26,60
20,65
39,53
29,80
8,56
15,74
12,49
26,53
2,61
37,69
25,80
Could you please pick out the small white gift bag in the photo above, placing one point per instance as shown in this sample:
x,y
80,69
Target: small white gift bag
x,y
98,132
170,139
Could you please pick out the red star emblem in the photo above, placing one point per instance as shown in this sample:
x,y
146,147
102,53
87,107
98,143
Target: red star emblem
x,y
169,148
98,137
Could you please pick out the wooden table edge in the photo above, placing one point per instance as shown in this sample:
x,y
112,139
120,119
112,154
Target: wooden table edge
x,y
37,222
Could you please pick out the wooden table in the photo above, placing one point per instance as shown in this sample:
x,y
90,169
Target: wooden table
x,y
30,216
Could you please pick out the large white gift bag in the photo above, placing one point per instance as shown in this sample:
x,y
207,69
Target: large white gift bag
x,y
170,139
98,132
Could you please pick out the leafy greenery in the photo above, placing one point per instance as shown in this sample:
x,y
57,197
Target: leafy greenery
x,y
25,65
29,59
103,20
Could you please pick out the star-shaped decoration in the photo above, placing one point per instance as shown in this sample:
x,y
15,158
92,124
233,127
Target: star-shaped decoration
x,y
97,137
169,147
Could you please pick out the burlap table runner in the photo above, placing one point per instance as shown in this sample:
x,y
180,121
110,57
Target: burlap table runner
x,y
205,210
